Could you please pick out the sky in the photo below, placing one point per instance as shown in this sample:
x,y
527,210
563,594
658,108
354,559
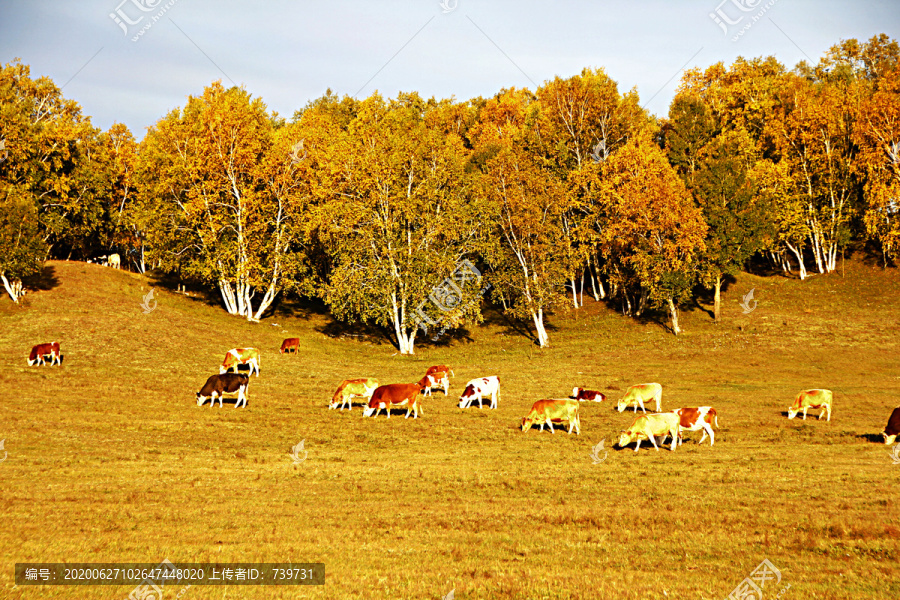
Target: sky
x,y
133,61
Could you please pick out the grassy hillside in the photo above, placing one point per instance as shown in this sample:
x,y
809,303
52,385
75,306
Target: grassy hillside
x,y
110,459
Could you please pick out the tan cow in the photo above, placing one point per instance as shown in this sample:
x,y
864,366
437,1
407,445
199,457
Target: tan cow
x,y
646,427
556,410
395,395
353,388
816,399
636,394
241,356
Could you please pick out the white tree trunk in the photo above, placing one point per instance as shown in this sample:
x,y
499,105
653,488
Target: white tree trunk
x,y
228,297
574,291
798,252
673,310
717,305
538,318
13,287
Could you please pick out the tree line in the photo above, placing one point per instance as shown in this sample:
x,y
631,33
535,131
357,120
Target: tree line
x,y
374,204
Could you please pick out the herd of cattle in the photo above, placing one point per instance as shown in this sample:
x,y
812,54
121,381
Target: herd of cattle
x,y
560,411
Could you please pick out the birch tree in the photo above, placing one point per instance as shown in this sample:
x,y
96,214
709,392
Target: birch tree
x,y
397,222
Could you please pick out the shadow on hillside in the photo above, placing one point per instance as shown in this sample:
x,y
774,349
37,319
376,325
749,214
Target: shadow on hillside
x,y
43,281
494,315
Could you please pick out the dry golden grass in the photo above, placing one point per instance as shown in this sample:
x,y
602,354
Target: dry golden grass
x,y
110,459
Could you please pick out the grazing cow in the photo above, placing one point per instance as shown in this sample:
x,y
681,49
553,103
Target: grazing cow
x,y
636,394
241,356
219,385
582,394
437,368
646,427
42,350
436,379
892,429
552,411
353,388
290,343
811,399
395,395
115,261
695,419
480,388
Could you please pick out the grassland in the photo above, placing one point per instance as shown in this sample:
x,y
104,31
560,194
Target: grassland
x,y
110,459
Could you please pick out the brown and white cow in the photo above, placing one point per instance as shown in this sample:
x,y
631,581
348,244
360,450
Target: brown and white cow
x,y
114,261
582,394
816,399
241,356
39,352
695,419
437,368
554,410
647,427
636,394
219,385
395,395
290,343
481,388
353,388
892,429
437,379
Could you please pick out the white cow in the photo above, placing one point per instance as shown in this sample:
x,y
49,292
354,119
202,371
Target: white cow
x,y
481,388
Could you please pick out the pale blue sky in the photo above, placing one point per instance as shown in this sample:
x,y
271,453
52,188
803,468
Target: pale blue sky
x,y
290,51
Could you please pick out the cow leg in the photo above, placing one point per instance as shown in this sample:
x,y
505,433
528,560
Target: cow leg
x,y
653,441
804,412
494,399
550,423
641,404
638,445
703,437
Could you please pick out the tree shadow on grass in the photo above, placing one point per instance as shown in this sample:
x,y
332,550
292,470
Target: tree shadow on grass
x,y
43,281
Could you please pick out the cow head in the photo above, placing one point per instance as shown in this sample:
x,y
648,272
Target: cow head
x,y
526,423
200,399
575,392
621,405
791,412
468,395
625,438
888,439
369,411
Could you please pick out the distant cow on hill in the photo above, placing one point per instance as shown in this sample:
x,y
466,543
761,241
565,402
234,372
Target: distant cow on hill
x,y
811,399
395,395
557,410
637,394
39,352
241,356
290,343
582,394
353,388
219,385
